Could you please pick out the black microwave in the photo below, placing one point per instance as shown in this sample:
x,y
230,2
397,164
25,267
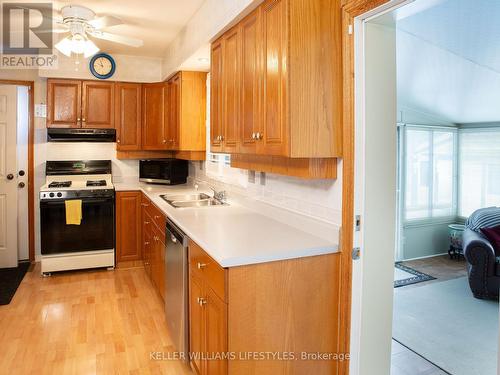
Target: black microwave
x,y
163,171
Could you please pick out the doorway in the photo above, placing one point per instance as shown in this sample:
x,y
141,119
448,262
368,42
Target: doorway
x,y
16,169
432,207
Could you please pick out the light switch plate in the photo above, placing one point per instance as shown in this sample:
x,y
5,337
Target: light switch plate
x,y
41,110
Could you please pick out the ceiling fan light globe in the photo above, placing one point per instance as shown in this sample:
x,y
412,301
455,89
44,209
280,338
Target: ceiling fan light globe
x,y
65,47
90,49
78,43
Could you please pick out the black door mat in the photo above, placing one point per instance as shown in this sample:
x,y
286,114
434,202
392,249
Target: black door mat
x,y
10,278
417,277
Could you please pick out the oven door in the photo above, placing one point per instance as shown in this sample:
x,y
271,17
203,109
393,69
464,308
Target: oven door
x,y
96,232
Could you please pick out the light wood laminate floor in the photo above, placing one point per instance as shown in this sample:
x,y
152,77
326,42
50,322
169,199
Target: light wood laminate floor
x,y
86,322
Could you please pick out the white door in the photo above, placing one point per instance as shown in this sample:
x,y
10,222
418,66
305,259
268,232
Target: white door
x,y
8,176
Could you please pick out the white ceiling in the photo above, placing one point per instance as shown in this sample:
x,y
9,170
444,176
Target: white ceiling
x,y
449,60
156,22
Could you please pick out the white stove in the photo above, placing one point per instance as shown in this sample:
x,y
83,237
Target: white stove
x,y
68,246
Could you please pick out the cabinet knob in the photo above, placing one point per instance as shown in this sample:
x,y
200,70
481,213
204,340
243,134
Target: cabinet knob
x,y
117,141
146,222
144,205
221,137
146,243
78,119
157,217
201,265
202,301
164,141
259,136
254,136
83,119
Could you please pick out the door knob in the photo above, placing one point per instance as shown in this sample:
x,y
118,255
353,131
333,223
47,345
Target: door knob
x,y
21,185
21,173
10,176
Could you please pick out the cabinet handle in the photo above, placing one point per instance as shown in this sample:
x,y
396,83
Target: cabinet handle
x,y
157,217
147,222
117,141
202,301
201,265
146,243
144,205
253,135
221,137
259,136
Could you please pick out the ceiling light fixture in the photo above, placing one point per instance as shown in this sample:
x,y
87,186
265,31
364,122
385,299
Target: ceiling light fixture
x,y
78,44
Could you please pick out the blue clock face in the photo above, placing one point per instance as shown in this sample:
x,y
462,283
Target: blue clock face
x,y
102,66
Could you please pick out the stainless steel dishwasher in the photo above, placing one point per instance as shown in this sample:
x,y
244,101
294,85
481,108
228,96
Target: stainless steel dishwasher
x,y
176,288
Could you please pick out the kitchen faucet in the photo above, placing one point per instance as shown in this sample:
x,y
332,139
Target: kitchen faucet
x,y
219,195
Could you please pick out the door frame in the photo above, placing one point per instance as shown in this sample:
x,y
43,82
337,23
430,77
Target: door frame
x,y
31,160
352,11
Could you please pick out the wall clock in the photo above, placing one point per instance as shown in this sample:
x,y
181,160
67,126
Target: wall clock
x,y
102,66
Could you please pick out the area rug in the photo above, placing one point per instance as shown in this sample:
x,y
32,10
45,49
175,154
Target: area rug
x,y
404,275
10,278
446,325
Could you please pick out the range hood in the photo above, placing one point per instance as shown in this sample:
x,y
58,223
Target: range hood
x,y
80,135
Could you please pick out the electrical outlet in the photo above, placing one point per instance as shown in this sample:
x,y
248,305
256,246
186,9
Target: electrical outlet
x,y
40,110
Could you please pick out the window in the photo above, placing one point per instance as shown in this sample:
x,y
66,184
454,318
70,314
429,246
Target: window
x,y
479,181
429,165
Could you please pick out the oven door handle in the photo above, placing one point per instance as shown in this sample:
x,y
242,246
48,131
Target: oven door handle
x,y
84,200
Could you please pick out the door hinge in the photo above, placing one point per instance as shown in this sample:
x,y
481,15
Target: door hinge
x,y
350,30
356,253
357,223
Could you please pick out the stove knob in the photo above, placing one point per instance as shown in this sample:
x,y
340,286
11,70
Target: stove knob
x,y
51,195
59,195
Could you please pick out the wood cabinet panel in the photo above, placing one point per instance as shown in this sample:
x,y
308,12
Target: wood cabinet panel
x,y
196,323
216,332
231,91
128,226
64,98
207,268
251,60
128,116
274,100
174,112
153,116
147,235
216,101
98,104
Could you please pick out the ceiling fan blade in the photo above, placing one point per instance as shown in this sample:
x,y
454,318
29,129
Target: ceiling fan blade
x,y
105,21
132,42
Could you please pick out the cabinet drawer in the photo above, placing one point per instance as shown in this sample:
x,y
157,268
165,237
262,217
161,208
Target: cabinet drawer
x,y
207,269
158,217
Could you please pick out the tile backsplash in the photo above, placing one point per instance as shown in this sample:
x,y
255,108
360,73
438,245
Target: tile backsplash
x,y
321,199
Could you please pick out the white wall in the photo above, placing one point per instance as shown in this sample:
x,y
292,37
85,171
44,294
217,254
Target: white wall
x,y
206,23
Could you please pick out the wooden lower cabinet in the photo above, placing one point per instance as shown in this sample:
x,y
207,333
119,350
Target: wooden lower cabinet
x,y
288,307
128,226
158,262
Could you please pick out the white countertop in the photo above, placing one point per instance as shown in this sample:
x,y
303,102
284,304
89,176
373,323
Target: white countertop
x,y
235,235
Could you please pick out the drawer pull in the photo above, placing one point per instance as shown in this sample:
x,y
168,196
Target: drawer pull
x,y
201,265
147,222
202,301
146,243
156,217
144,205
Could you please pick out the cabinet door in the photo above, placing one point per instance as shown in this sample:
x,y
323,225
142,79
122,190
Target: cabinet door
x,y
274,100
231,90
174,114
128,226
153,116
128,116
196,323
64,98
216,332
251,56
98,104
161,267
216,104
147,248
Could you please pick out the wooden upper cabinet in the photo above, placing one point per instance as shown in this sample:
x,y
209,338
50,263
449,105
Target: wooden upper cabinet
x,y
128,116
153,116
274,131
251,60
128,226
174,111
97,104
287,80
64,98
216,102
231,90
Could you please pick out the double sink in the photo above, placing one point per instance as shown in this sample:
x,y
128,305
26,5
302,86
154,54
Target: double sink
x,y
192,200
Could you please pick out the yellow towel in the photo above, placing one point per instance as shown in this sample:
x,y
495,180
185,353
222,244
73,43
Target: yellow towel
x,y
73,212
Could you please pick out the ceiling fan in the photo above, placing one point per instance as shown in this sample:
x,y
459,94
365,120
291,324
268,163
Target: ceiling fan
x,y
83,23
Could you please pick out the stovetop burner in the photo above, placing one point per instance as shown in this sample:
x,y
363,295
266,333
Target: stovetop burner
x,y
60,184
96,183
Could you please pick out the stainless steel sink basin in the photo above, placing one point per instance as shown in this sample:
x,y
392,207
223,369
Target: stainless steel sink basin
x,y
185,197
200,203
191,200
